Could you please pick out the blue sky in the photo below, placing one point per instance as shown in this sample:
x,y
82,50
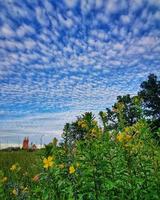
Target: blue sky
x,y
61,58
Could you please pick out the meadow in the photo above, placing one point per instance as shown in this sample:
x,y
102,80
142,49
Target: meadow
x,y
124,165
116,159
29,161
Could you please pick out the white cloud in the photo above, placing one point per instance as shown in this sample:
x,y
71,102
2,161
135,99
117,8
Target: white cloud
x,y
6,31
157,15
125,19
25,29
29,43
70,3
68,22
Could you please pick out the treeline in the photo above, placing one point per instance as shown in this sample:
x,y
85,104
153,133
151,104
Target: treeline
x,y
125,112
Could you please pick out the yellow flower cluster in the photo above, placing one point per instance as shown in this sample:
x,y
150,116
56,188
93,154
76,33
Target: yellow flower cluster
x,y
82,123
136,129
122,137
96,132
15,167
48,162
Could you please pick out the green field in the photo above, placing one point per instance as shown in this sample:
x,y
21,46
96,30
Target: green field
x,y
29,161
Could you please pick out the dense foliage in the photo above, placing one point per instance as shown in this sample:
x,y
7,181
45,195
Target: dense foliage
x,y
118,160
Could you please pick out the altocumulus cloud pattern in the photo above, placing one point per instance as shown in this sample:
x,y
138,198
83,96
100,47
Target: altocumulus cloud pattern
x,y
60,58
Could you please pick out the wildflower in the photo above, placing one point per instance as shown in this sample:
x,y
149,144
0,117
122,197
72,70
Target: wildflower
x,y
14,192
61,166
48,162
127,129
120,137
4,179
13,167
79,123
71,169
94,132
128,137
36,178
82,124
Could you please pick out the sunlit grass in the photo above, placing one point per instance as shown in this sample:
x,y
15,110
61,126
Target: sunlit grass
x,y
29,161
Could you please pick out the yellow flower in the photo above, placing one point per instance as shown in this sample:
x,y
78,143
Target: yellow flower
x,y
48,162
127,129
61,166
14,192
82,124
13,167
71,169
120,137
4,179
128,137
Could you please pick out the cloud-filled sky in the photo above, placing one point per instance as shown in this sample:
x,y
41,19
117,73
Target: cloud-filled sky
x,y
60,58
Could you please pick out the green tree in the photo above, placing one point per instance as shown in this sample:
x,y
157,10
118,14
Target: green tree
x,y
130,110
67,136
109,119
150,94
84,127
125,112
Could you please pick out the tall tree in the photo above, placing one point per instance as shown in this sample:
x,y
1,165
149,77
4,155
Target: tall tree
x,y
84,127
130,111
125,112
150,94
109,119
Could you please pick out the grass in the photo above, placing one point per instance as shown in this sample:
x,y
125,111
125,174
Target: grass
x,y
30,162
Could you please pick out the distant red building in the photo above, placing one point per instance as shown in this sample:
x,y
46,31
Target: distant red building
x,y
26,143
